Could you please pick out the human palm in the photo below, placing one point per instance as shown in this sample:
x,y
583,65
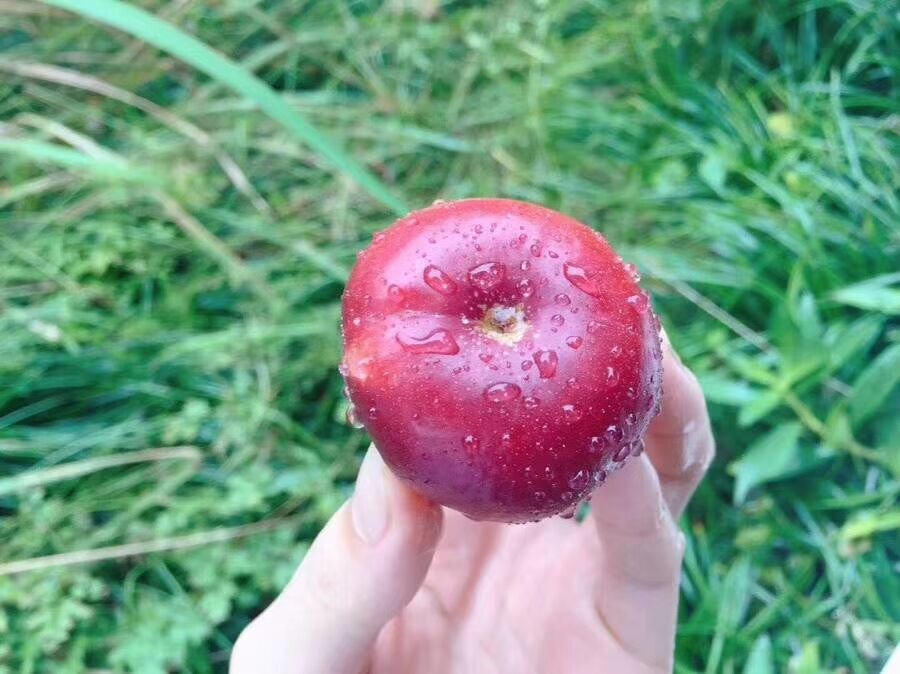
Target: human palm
x,y
426,590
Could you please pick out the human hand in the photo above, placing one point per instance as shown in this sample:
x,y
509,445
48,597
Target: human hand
x,y
394,584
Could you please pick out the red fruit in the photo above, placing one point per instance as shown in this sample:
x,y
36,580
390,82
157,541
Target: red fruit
x,y
501,355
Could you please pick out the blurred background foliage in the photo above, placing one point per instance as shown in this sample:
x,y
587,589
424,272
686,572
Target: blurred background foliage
x,y
174,238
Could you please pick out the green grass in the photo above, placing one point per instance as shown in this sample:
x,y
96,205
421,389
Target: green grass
x,y
174,239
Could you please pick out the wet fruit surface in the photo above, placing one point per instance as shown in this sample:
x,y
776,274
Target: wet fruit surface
x,y
501,355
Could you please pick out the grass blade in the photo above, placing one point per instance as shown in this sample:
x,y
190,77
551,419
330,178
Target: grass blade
x,y
189,49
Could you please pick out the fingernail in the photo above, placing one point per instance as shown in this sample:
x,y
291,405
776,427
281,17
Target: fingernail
x,y
370,506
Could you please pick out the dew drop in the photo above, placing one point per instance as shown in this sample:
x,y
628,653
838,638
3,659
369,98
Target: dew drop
x,y
506,439
525,266
574,341
612,376
562,300
579,278
395,293
526,288
631,393
438,280
378,237
557,319
571,381
530,402
600,477
539,496
536,249
579,480
486,357
622,453
372,412
593,327
613,436
596,445
630,419
526,364
633,272
547,362
640,302
502,392
571,413
470,443
616,350
486,276
438,341
343,368
553,254
637,448
357,321
569,512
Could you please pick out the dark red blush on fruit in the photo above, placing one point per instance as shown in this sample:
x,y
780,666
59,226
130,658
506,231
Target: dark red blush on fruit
x,y
501,355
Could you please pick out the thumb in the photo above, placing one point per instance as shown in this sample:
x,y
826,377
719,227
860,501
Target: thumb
x,y
362,569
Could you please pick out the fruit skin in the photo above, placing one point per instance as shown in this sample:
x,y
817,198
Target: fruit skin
x,y
518,415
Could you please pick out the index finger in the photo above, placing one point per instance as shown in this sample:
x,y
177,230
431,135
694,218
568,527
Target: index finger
x,y
679,441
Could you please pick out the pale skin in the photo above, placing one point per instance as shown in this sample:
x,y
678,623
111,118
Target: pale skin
x,y
395,584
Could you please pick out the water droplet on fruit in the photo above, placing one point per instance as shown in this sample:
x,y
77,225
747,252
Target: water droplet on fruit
x,y
536,249
357,321
557,319
530,402
525,266
571,381
579,480
613,435
539,496
569,512
487,275
553,254
612,376
579,278
633,272
596,445
486,357
378,237
343,368
352,419
637,448
631,393
470,443
502,392
571,413
438,280
616,350
630,419
562,300
574,341
526,364
547,362
600,477
438,341
593,327
622,453
526,288
640,302
506,439
395,293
